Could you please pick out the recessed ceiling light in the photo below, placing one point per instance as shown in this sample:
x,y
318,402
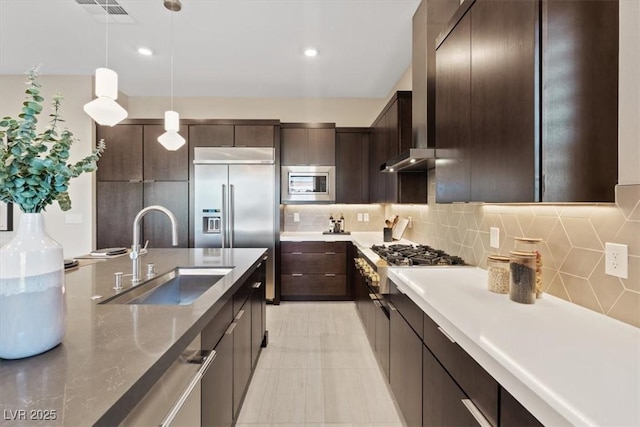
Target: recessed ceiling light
x,y
310,51
145,51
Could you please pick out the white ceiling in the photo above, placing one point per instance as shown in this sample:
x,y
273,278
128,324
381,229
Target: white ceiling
x,y
237,48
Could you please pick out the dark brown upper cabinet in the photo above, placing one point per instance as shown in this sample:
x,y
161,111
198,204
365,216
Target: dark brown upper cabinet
x,y
308,144
526,102
453,115
352,165
161,164
391,135
228,133
122,159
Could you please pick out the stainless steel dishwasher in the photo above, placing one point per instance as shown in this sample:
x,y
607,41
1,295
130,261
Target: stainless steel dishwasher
x,y
175,399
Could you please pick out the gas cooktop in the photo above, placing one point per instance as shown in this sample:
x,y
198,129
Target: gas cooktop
x,y
405,255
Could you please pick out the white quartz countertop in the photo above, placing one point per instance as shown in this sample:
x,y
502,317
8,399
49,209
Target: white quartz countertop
x,y
564,363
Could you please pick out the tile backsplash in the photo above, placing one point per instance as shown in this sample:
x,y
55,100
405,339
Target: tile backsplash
x,y
316,217
573,240
572,250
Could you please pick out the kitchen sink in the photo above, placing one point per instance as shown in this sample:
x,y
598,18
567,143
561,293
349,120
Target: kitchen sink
x,y
181,286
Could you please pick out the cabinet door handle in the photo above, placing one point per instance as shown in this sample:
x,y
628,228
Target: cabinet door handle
x,y
392,307
475,412
240,314
147,181
297,274
230,329
296,253
329,274
377,303
446,335
329,253
256,285
209,355
373,297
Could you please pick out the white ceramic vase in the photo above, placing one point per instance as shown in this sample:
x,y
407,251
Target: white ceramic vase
x,y
32,291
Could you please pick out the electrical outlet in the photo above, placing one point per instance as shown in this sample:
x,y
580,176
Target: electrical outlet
x,y
366,217
359,217
296,217
616,260
410,224
494,237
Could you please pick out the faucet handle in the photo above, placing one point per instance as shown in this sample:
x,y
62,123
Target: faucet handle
x,y
118,281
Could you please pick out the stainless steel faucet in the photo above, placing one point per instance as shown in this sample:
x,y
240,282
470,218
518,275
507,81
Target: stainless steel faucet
x,y
135,247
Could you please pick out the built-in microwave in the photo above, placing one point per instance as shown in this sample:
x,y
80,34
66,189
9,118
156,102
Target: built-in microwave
x,y
308,184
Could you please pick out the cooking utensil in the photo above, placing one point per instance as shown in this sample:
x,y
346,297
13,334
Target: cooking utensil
x,y
395,220
387,223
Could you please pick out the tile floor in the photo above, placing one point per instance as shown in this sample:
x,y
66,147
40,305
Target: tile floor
x,y
318,371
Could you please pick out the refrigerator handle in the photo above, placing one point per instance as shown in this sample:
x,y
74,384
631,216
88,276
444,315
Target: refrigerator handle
x,y
224,216
232,209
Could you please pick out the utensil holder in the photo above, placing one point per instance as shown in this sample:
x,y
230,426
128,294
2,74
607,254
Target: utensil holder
x,y
387,233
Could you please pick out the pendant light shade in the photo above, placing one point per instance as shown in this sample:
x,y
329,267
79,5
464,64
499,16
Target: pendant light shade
x,y
171,139
104,109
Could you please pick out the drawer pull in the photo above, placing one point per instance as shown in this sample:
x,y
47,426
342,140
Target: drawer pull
x,y
377,303
329,253
296,253
296,274
256,285
240,314
205,362
392,307
446,335
373,296
329,274
475,412
230,329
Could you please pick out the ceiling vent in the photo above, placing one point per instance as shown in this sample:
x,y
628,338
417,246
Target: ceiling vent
x,y
101,10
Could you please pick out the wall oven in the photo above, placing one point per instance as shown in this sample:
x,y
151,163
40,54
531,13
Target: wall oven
x,y
308,184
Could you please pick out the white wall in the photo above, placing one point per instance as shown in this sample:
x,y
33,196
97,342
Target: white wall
x,y
75,238
629,93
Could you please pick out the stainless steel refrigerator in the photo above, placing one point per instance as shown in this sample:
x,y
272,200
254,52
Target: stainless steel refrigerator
x,y
235,201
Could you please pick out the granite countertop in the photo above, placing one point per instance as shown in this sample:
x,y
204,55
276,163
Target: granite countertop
x,y
566,364
113,353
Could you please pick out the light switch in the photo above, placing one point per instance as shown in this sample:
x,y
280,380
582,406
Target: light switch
x,y
359,217
494,237
296,217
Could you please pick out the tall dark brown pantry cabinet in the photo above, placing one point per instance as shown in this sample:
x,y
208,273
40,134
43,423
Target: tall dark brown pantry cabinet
x,y
135,171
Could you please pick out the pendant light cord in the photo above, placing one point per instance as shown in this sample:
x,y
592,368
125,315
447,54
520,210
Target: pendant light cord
x,y
106,34
172,48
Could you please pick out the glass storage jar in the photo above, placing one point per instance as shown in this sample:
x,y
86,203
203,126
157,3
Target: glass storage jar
x,y
498,273
522,277
529,244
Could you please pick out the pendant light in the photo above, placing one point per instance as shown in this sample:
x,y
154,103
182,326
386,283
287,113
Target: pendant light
x,y
171,139
104,110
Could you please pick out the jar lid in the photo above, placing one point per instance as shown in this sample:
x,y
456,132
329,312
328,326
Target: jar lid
x,y
523,254
498,258
529,239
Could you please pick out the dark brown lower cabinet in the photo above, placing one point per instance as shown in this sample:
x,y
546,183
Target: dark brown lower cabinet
x,y
513,414
442,399
217,385
382,337
405,368
258,317
241,355
314,271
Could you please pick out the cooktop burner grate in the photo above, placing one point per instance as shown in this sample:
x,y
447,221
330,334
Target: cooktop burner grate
x,y
422,255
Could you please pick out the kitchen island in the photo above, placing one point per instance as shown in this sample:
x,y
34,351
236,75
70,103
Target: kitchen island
x,y
112,354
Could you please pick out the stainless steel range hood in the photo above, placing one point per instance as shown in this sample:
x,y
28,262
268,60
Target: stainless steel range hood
x,y
414,159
